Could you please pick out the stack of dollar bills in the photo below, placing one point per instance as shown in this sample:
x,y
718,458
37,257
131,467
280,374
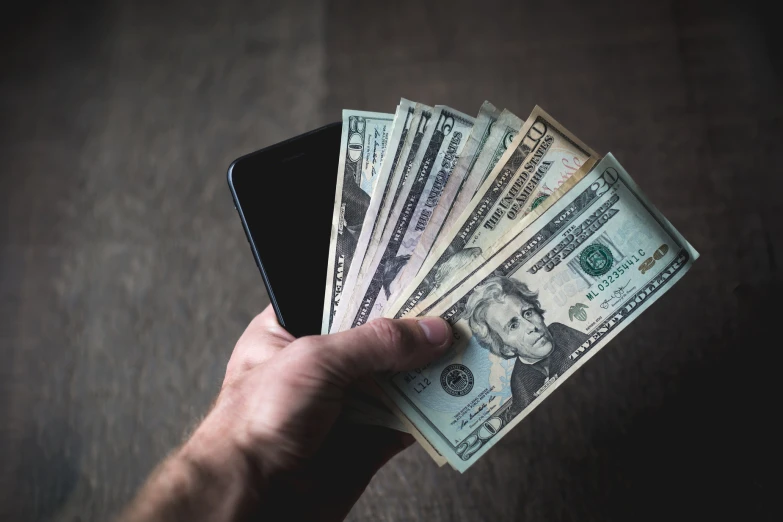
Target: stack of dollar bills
x,y
536,249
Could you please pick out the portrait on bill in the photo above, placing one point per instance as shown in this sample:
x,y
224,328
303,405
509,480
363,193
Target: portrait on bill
x,y
506,318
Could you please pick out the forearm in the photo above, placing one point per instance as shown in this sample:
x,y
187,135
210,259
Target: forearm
x,y
206,479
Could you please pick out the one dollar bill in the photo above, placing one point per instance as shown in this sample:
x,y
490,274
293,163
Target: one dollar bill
x,y
362,149
540,308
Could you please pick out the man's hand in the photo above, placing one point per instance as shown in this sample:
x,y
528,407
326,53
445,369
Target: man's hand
x,y
272,447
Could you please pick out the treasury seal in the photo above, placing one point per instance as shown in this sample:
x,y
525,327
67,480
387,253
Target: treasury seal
x,y
457,380
538,201
596,260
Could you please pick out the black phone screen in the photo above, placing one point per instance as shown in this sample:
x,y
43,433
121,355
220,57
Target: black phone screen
x,y
285,198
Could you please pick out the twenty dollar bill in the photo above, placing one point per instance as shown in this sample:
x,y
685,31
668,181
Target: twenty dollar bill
x,y
539,309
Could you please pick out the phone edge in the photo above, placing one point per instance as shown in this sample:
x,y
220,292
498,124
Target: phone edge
x,y
238,208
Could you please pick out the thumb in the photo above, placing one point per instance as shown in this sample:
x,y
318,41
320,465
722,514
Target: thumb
x,y
382,345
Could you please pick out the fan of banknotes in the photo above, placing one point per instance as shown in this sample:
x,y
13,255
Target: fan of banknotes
x,y
536,250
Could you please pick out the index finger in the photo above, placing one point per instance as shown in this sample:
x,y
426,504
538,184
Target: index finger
x,y
261,340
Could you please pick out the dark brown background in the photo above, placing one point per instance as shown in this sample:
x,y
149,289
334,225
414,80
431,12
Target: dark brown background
x,y
125,278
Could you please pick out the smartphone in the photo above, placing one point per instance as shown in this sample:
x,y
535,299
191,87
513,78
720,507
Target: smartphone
x,y
285,197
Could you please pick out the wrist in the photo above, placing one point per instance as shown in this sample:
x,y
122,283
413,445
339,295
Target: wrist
x,y
208,478
220,468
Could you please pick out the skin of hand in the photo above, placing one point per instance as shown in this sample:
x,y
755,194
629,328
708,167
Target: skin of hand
x,y
272,447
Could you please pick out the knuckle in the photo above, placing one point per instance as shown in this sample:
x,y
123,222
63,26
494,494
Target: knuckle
x,y
238,362
237,366
310,357
307,344
312,351
392,334
258,320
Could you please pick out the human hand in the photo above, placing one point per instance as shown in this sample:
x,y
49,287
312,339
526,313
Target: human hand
x,y
272,446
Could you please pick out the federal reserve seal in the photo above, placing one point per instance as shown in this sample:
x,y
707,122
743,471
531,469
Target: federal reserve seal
x,y
457,380
596,260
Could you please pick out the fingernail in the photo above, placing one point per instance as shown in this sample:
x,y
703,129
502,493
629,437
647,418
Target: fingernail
x,y
435,329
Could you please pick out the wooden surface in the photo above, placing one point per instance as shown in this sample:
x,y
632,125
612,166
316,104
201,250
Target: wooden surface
x,y
125,279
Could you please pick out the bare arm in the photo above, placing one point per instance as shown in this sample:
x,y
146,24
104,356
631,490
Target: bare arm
x,y
271,446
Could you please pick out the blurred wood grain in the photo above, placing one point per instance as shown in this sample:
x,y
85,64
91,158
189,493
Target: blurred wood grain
x,y
125,279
